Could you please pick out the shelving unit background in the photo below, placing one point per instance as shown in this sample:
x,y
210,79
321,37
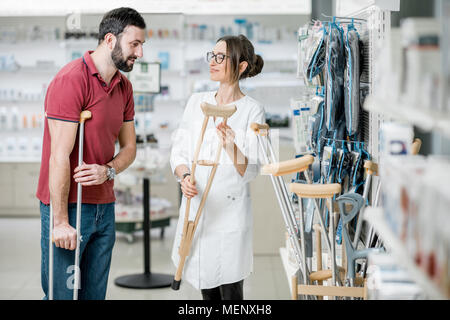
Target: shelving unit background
x,y
187,70
392,107
272,87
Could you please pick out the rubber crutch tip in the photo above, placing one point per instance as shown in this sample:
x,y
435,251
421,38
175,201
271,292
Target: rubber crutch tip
x,y
176,284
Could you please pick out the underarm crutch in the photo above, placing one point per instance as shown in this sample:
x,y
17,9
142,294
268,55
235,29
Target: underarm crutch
x,y
306,172
276,170
322,191
189,226
85,115
328,191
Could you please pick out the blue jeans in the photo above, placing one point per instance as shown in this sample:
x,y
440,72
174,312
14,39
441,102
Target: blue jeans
x,y
98,235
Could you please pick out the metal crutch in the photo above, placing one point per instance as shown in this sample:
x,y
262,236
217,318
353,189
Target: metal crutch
x,y
85,115
276,170
371,168
307,173
189,226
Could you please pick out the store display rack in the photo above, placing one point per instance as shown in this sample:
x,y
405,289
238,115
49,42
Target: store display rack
x,y
375,217
424,119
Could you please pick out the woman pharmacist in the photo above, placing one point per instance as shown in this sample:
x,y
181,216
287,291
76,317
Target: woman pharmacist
x,y
221,256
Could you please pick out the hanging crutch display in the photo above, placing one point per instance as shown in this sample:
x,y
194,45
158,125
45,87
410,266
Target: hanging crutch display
x,y
276,171
85,115
299,165
190,226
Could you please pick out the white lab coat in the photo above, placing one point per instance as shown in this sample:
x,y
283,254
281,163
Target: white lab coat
x,y
222,250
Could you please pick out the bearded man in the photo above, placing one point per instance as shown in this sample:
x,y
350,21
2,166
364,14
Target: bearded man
x,y
92,83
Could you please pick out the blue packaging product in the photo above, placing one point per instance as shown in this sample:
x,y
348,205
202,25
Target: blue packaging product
x,y
164,58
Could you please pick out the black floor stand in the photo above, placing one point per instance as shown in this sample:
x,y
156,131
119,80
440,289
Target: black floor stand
x,y
146,280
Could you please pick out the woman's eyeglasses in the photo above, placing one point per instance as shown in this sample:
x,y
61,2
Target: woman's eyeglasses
x,y
218,57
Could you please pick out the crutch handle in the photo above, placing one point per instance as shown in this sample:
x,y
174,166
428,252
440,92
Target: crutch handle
x,y
287,167
315,190
415,148
85,115
260,129
206,163
210,110
326,274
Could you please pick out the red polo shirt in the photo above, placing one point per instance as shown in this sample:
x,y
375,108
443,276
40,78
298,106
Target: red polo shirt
x,y
78,86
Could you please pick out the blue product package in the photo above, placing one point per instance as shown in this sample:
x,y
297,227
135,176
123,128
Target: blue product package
x,y
334,75
164,58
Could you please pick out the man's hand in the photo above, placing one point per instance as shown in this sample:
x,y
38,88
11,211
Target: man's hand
x,y
65,236
90,174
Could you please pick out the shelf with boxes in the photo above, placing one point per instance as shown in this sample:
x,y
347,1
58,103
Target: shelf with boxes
x,y
413,219
431,289
411,113
412,76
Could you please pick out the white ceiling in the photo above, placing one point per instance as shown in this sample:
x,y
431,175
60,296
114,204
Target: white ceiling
x,y
65,7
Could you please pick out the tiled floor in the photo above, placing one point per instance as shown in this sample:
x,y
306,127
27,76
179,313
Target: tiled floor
x,y
20,266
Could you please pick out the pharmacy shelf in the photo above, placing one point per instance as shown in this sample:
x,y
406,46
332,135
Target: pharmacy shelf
x,y
424,119
375,217
289,270
23,159
32,69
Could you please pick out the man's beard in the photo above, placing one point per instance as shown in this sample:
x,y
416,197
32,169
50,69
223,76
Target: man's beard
x,y
119,61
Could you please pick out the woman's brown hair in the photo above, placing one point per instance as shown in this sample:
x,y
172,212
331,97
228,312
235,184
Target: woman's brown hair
x,y
240,49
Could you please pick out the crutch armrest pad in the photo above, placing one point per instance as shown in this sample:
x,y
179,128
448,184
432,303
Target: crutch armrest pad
x,y
218,111
371,167
260,129
85,115
288,167
315,190
415,148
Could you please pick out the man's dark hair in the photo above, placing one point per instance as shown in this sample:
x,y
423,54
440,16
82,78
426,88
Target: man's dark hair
x,y
116,20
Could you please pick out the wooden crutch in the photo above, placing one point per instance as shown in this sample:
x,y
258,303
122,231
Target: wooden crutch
x,y
85,115
321,191
327,191
189,226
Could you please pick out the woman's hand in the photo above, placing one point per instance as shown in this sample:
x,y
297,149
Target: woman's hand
x,y
226,134
90,174
189,190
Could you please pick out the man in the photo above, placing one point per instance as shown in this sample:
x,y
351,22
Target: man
x,y
92,83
